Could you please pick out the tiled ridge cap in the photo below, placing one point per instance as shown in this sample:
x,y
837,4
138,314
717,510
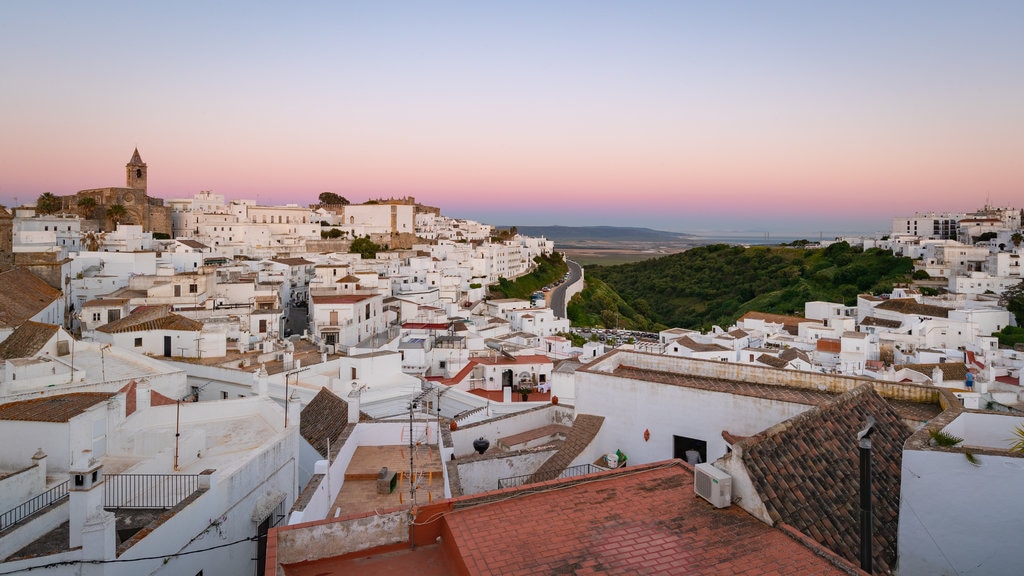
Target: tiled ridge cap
x,y
584,428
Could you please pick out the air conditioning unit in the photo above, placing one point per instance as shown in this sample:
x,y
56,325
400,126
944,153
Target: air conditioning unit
x,y
713,485
329,348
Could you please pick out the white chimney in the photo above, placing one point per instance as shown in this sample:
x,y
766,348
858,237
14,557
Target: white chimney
x,y
353,401
937,376
294,409
264,383
85,493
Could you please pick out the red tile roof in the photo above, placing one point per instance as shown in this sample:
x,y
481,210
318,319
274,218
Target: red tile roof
x,y
59,408
27,339
22,296
913,307
635,520
341,298
790,324
806,473
151,318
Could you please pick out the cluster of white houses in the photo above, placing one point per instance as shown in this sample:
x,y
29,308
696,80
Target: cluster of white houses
x,y
172,421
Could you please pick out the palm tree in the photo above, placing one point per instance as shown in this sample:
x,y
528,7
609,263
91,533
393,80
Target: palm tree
x,y
86,206
116,213
47,203
1017,238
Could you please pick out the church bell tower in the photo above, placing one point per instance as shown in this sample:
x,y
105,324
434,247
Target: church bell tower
x,y
136,170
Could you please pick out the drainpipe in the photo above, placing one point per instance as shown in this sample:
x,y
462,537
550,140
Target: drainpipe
x,y
864,447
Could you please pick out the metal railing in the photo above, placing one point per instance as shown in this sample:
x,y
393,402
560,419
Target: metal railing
x,y
30,507
148,490
569,472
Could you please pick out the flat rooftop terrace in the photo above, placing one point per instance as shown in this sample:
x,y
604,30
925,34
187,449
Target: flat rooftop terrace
x,y
359,492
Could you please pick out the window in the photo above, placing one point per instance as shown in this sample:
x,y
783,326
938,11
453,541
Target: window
x,y
95,316
193,288
177,290
223,395
354,373
138,342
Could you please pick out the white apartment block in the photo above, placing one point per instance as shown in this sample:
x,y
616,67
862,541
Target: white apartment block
x,y
928,225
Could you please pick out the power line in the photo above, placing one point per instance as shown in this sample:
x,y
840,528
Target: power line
x,y
119,561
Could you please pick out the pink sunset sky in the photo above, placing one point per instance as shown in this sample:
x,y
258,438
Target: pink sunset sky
x,y
681,116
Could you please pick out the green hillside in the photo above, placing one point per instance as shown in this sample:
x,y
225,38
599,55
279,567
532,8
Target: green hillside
x,y
717,284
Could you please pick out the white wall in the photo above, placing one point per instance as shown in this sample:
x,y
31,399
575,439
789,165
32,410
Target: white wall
x,y
957,518
632,406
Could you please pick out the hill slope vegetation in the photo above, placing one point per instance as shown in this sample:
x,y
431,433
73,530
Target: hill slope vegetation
x,y
717,284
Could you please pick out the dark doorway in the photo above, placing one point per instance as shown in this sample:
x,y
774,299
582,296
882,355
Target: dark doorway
x,y
680,444
261,546
167,346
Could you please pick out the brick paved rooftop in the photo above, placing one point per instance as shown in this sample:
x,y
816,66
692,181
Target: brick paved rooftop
x,y
639,520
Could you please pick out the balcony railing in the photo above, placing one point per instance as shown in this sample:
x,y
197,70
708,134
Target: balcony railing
x,y
567,473
148,490
30,507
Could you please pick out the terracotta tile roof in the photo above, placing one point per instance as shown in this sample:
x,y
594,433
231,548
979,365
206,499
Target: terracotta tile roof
x,y
292,261
806,396
341,298
789,323
881,322
584,428
773,361
22,296
193,244
151,318
950,370
738,333
106,302
636,520
323,419
692,344
806,471
27,339
790,354
57,408
911,306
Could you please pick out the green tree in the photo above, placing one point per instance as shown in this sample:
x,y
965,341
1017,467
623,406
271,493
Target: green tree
x,y
331,234
117,213
47,203
86,206
332,198
1017,238
1013,299
365,247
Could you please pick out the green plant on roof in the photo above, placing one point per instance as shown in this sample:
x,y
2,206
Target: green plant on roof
x,y
1017,441
943,438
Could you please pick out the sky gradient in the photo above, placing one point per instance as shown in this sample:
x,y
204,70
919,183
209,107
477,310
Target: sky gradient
x,y
683,116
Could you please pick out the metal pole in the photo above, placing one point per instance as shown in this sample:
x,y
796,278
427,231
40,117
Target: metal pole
x,y
864,448
177,432
865,504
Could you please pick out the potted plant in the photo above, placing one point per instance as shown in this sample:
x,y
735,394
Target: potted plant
x,y
525,388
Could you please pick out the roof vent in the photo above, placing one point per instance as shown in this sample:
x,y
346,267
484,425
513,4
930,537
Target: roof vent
x,y
713,485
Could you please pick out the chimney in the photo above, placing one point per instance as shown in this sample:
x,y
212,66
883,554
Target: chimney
x,y
937,376
353,401
294,408
85,494
262,381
